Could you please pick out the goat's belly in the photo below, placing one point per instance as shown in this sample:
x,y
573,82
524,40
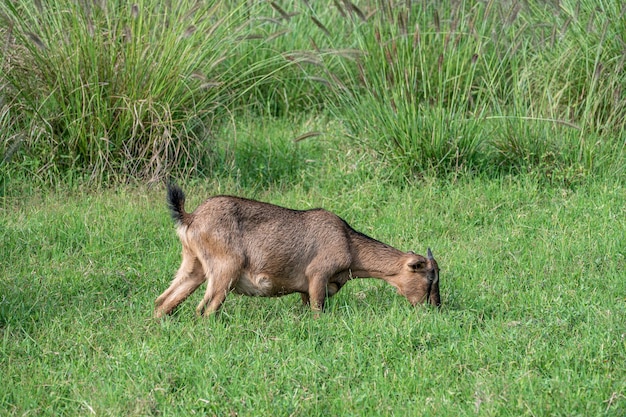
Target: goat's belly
x,y
258,286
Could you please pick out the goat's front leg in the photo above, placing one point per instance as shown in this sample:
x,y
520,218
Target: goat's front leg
x,y
331,288
306,300
319,273
317,293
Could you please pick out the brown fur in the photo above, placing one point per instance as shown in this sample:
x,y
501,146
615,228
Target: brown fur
x,y
259,249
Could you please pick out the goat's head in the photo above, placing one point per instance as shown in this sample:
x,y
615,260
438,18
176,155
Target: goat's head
x,y
419,280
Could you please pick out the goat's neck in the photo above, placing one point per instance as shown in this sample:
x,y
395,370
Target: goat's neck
x,y
373,259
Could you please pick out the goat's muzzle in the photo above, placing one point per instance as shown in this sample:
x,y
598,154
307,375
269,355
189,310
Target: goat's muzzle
x,y
432,293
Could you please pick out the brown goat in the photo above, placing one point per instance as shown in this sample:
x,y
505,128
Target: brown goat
x,y
259,249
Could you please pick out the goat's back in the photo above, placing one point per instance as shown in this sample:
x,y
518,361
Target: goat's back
x,y
269,237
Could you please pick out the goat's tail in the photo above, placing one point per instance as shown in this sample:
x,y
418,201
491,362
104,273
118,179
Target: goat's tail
x,y
176,203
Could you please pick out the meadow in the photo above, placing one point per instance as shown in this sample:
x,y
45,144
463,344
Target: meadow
x,y
492,132
532,322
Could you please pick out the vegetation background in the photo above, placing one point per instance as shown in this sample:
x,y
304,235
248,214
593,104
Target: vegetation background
x,y
493,132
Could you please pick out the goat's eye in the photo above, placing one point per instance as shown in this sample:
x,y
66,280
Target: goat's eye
x,y
417,265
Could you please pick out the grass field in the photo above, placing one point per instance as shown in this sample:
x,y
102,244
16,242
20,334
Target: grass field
x,y
492,132
532,322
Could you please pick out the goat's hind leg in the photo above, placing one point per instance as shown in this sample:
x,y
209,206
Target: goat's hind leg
x,y
223,276
189,277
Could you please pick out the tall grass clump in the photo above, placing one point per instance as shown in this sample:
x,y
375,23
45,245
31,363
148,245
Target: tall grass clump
x,y
575,76
490,86
418,98
299,42
10,142
579,65
119,90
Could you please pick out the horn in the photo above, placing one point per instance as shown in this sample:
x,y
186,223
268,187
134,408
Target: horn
x,y
430,254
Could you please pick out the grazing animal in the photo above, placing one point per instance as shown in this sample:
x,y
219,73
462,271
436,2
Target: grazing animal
x,y
259,249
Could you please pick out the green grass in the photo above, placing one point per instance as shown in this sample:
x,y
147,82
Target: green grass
x,y
532,322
